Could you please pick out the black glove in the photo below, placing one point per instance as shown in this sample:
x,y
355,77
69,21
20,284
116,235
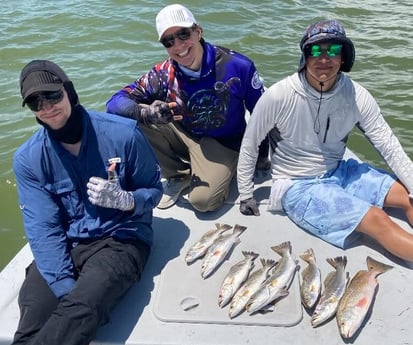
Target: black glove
x,y
249,207
158,113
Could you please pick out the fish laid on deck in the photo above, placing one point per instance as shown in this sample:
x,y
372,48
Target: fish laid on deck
x,y
334,288
251,285
310,287
278,283
237,274
358,297
219,250
200,247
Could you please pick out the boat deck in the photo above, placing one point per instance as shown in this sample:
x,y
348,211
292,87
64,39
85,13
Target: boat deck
x,y
172,304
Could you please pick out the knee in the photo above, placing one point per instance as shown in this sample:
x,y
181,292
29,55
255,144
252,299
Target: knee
x,y
380,214
203,202
92,313
375,220
377,215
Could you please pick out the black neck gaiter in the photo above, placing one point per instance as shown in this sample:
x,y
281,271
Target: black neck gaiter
x,y
71,132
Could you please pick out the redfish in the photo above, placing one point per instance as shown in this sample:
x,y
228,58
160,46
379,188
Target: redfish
x,y
358,297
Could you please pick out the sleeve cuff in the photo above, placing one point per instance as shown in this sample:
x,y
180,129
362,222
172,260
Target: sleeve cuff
x,y
62,287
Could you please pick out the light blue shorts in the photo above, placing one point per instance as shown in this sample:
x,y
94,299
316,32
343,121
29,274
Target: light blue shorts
x,y
331,207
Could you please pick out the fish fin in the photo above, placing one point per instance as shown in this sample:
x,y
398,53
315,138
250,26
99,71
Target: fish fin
x,y
269,308
268,263
239,229
221,227
253,255
281,248
379,267
308,256
283,292
337,261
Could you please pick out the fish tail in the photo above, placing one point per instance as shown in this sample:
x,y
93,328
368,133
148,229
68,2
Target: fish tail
x,y
268,263
308,256
239,229
379,267
251,255
282,248
337,261
223,227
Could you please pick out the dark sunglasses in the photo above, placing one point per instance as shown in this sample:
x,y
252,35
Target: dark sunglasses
x,y
35,103
332,50
169,40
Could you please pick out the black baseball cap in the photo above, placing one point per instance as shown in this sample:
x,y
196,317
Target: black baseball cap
x,y
41,76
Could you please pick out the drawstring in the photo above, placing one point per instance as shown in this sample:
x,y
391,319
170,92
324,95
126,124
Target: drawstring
x,y
317,126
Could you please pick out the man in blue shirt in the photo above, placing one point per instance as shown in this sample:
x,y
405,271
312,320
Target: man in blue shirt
x,y
192,109
87,185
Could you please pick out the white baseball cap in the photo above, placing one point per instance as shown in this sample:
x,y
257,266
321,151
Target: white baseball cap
x,y
173,15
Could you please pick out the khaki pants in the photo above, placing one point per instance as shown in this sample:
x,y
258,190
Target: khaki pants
x,y
210,164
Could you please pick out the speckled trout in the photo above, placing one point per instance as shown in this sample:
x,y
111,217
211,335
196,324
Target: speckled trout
x,y
251,285
310,287
237,274
334,287
278,283
358,297
200,247
219,250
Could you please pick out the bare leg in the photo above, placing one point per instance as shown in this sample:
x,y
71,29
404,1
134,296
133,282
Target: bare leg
x,y
378,225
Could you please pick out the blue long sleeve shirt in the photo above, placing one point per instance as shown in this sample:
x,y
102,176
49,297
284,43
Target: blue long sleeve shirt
x,y
213,104
52,192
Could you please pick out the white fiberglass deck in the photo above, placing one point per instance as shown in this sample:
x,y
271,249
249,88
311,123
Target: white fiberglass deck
x,y
152,312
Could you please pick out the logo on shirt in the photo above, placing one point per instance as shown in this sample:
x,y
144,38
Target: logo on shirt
x,y
256,81
209,107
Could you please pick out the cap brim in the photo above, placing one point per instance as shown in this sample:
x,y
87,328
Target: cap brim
x,y
325,38
42,88
178,25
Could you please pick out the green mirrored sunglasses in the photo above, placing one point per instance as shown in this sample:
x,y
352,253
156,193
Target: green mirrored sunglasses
x,y
332,50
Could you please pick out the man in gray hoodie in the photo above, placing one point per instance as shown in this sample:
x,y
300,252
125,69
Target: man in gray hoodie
x,y
308,117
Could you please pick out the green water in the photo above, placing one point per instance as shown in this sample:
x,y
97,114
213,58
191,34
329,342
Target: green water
x,y
105,44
